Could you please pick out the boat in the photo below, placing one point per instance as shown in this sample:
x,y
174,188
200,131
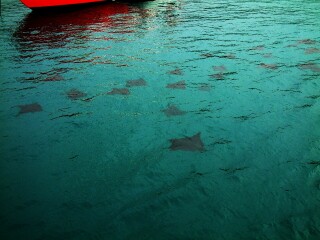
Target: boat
x,y
40,4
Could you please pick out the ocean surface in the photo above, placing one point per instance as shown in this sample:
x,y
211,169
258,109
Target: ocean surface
x,y
167,119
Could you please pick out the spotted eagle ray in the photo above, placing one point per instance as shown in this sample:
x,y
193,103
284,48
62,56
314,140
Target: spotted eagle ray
x,y
54,78
29,108
136,83
220,68
172,110
75,94
310,66
177,85
119,91
218,76
177,71
307,41
258,48
207,55
312,50
193,143
228,56
268,66
267,55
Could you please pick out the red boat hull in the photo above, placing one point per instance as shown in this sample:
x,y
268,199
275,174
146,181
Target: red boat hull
x,y
34,4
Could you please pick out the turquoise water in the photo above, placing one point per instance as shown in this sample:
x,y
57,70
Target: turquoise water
x,y
99,106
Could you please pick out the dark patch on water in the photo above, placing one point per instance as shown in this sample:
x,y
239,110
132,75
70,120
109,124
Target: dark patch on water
x,y
228,56
88,99
315,163
292,45
290,90
305,106
197,173
54,78
314,96
245,117
26,88
207,55
258,89
222,142
73,157
233,170
204,87
203,110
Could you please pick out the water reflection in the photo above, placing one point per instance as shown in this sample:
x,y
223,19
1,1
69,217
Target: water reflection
x,y
54,29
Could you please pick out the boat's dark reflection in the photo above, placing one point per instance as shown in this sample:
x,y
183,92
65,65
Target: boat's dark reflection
x,y
56,28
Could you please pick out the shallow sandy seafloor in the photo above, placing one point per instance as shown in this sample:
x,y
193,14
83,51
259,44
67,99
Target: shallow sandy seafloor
x,y
161,120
